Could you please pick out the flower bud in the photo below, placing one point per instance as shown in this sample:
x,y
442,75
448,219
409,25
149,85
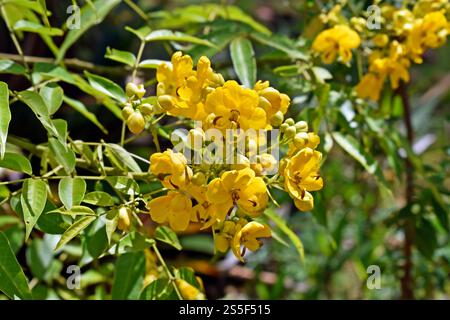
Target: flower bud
x,y
277,119
146,109
166,102
188,291
199,179
127,111
136,122
289,121
283,127
131,89
290,132
301,139
124,220
301,126
140,92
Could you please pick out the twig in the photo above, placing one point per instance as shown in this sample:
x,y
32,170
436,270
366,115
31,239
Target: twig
x,y
71,63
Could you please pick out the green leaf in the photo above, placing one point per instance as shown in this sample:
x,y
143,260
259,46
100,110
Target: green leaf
x,y
106,87
132,242
124,57
75,229
12,279
99,198
244,62
95,238
11,67
152,63
5,117
353,148
166,235
28,26
39,107
39,257
89,16
119,156
81,108
426,239
281,44
33,199
123,184
71,191
16,162
159,289
112,218
35,102
141,33
128,280
63,154
52,94
168,35
271,214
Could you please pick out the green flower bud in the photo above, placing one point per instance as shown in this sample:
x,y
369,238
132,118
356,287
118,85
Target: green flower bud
x,y
136,122
290,132
131,89
277,119
301,126
127,111
301,139
199,179
140,92
283,127
146,109
289,121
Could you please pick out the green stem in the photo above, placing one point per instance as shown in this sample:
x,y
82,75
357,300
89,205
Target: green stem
x,y
138,59
136,9
167,270
122,135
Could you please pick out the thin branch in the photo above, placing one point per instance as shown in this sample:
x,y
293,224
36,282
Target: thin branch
x,y
70,63
407,281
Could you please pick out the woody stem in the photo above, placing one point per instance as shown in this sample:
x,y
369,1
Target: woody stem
x,y
407,281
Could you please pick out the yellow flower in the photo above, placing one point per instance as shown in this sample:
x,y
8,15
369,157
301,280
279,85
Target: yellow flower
x,y
380,40
271,100
339,40
301,174
238,188
204,212
234,106
429,32
171,168
181,90
248,236
223,239
370,86
396,69
174,208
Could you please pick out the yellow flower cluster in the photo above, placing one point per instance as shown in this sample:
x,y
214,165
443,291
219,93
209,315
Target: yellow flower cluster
x,y
203,95
229,198
336,42
406,36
